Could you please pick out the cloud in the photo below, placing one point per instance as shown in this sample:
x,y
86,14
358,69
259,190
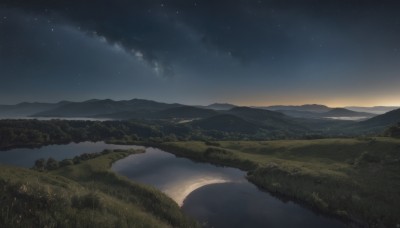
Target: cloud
x,y
254,45
131,25
248,31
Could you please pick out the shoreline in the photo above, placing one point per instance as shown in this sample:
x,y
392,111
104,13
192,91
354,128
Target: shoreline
x,y
250,168
266,178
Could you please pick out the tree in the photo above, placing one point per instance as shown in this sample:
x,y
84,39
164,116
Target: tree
x,y
39,165
66,162
393,131
51,164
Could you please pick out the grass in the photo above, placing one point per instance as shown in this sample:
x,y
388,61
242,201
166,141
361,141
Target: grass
x,y
87,194
356,179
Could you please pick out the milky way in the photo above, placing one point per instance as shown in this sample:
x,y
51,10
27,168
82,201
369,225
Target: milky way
x,y
245,52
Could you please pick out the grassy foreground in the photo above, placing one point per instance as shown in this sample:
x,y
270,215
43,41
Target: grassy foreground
x,y
356,179
87,194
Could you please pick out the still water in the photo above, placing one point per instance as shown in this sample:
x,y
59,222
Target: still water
x,y
26,157
216,196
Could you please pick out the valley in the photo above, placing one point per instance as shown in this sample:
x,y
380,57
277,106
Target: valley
x,y
344,171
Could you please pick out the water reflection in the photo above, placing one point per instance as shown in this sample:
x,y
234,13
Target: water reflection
x,y
25,157
243,205
216,196
176,177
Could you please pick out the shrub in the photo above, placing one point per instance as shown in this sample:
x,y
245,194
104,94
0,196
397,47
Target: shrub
x,y
393,131
51,164
66,162
40,165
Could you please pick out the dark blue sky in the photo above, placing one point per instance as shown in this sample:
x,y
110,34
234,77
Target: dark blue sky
x,y
341,52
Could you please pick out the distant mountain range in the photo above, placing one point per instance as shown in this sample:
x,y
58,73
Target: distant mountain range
x,y
100,108
219,106
382,121
303,108
375,109
27,109
342,112
227,123
137,108
288,119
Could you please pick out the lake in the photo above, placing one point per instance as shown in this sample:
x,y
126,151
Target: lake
x,y
216,196
26,157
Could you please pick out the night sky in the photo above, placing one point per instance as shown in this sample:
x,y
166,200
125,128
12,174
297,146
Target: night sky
x,y
333,52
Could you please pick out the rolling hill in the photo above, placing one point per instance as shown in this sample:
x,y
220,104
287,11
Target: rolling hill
x,y
97,108
332,113
184,112
372,126
220,106
266,118
84,194
299,114
307,107
384,120
289,120
375,109
226,123
342,112
28,108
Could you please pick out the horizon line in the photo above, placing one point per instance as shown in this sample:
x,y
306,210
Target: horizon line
x,y
206,104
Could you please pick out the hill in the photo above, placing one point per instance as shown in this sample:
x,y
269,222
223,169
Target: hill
x,y
356,179
299,114
342,112
26,108
332,113
266,118
184,112
226,123
373,126
254,113
375,109
220,106
307,107
383,121
98,108
83,194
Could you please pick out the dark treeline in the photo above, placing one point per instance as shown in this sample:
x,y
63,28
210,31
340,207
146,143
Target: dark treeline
x,y
31,133
52,164
34,132
393,131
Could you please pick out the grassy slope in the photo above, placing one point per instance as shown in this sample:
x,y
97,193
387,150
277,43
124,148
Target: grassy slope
x,y
83,195
351,178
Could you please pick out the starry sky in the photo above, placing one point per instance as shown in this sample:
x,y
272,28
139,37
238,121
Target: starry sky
x,y
247,52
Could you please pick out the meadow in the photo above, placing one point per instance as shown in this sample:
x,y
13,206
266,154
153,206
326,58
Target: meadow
x,y
84,194
357,179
